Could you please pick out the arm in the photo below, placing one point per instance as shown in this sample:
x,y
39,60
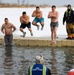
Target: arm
x,y
34,14
2,29
64,18
25,20
73,16
56,16
14,28
48,72
21,19
49,16
41,13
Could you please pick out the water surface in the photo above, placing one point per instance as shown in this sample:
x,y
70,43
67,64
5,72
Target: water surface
x,y
16,60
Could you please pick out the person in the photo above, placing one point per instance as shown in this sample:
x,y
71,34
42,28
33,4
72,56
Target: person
x,y
38,68
8,29
53,15
38,18
25,22
69,19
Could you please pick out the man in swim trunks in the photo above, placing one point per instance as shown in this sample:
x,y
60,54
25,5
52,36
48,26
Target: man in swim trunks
x,y
53,15
25,22
8,28
38,18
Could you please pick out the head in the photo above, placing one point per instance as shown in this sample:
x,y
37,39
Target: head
x,y
37,8
6,20
23,13
39,59
68,6
53,8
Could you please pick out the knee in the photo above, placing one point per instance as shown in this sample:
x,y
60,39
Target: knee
x,y
42,23
29,29
33,23
54,31
20,29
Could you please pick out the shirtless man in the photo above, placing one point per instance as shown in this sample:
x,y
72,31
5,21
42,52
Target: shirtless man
x,y
38,18
8,28
24,20
53,15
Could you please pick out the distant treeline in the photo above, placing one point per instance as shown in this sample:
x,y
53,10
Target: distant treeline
x,y
25,5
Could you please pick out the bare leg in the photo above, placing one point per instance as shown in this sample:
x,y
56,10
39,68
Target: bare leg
x,y
55,34
35,24
53,37
24,33
30,31
42,24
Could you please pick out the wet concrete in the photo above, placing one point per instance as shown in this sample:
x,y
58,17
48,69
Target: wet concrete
x,y
16,60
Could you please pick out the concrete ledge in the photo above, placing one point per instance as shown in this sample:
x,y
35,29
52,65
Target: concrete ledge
x,y
38,41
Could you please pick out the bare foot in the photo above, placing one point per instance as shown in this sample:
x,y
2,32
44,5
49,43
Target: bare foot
x,y
53,42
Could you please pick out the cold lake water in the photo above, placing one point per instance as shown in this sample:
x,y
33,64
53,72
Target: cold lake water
x,y
16,60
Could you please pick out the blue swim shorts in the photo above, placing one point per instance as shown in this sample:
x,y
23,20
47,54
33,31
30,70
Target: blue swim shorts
x,y
38,20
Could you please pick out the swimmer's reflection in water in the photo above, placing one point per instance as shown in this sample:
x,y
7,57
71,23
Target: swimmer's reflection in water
x,y
8,61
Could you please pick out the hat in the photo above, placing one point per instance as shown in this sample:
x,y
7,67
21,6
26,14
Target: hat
x,y
72,70
39,59
68,5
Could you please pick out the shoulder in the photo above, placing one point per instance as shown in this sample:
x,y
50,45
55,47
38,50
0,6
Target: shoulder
x,y
72,11
47,69
10,24
57,12
40,12
27,16
50,12
30,67
3,25
34,11
21,16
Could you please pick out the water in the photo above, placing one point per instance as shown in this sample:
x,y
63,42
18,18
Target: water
x,y
16,60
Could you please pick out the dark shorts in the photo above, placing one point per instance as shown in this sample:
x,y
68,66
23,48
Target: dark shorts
x,y
54,24
8,39
23,25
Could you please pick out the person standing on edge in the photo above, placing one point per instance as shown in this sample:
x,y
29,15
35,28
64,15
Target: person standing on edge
x,y
53,15
38,18
25,22
69,18
8,28
38,68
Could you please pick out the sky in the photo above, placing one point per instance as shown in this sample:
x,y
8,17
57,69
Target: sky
x,y
38,2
